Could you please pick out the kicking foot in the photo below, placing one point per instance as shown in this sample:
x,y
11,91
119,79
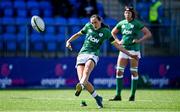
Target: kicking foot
x,y
132,98
115,98
99,100
78,89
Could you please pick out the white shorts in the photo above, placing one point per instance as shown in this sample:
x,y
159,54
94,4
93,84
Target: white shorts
x,y
83,58
123,55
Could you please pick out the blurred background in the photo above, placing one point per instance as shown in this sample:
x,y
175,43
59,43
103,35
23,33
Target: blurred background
x,y
29,59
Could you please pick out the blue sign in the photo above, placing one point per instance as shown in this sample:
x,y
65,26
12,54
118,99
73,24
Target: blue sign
x,y
154,72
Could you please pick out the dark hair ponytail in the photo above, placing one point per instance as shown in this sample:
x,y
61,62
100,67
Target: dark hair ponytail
x,y
104,25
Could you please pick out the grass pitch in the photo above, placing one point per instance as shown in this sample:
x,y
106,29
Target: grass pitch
x,y
64,100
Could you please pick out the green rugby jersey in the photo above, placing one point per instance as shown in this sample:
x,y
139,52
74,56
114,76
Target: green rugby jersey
x,y
130,31
94,39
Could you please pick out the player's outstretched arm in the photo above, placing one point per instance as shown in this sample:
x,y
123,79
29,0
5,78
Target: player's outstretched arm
x,y
119,47
73,37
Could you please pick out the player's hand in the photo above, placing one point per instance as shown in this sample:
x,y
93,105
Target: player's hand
x,y
120,42
68,45
135,57
135,41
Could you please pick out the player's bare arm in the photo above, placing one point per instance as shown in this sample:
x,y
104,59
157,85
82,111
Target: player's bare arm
x,y
72,38
114,34
147,35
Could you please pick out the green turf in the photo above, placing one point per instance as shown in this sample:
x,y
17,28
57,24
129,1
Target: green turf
x,y
64,100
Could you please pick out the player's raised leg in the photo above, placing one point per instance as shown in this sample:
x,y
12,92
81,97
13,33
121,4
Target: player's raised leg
x,y
89,87
79,87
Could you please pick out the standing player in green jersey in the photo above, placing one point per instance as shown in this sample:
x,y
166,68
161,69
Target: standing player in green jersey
x,y
130,29
96,33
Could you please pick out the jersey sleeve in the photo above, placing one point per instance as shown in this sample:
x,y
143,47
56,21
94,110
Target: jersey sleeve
x,y
111,40
118,26
84,29
140,25
109,36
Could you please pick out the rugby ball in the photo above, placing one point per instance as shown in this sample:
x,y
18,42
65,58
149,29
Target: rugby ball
x,y
37,23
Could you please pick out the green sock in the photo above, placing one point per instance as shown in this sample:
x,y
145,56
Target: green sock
x,y
119,86
133,86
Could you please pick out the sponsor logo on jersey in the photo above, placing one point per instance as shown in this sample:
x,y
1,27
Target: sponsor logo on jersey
x,y
127,32
92,39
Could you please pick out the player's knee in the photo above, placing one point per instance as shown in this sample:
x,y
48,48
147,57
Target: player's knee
x,y
134,74
134,71
119,71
